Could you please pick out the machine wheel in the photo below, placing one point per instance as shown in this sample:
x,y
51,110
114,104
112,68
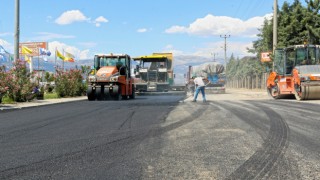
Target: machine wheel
x,y
117,96
274,92
306,92
298,92
90,94
133,95
98,93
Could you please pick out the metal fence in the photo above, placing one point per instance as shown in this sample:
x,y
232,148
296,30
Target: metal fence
x,y
249,82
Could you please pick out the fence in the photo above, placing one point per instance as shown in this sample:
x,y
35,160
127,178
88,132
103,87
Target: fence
x,y
249,82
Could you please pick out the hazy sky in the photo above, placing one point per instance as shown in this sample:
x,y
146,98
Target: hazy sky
x,y
137,27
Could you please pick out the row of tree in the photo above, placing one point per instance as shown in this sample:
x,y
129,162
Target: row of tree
x,y
297,24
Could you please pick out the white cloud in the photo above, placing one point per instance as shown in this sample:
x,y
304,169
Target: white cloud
x,y
211,25
205,54
46,36
85,54
72,16
100,20
238,49
142,30
176,29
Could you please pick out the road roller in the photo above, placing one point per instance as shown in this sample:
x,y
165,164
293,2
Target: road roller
x,y
110,78
295,73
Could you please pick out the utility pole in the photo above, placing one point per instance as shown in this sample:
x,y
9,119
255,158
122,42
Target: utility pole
x,y
17,31
275,28
214,56
225,48
275,24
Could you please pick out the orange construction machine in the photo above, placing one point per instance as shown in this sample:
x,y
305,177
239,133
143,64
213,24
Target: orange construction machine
x,y
111,78
296,72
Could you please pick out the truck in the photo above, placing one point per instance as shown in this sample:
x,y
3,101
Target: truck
x,y
154,72
213,72
295,73
111,78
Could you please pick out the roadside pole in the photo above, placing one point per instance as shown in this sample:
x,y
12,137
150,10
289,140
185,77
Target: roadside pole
x,y
275,27
17,31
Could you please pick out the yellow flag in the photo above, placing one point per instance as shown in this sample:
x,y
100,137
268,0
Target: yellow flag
x,y
26,50
60,55
69,57
27,58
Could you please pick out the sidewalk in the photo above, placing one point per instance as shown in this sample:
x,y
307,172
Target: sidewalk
x,y
40,102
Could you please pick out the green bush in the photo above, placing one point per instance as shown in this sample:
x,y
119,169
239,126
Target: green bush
x,y
69,83
16,83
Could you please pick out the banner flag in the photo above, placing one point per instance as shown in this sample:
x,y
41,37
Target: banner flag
x,y
60,55
42,51
69,57
27,58
26,50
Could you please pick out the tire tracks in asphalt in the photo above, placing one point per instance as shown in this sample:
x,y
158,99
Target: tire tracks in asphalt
x,y
272,149
26,128
126,141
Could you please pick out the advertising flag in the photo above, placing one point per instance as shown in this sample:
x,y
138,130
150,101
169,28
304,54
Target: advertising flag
x,y
69,57
42,51
27,59
60,55
26,50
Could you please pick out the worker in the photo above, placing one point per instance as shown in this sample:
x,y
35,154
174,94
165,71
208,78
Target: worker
x,y
200,86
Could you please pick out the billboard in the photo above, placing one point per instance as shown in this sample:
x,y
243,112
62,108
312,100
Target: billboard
x,y
34,46
265,57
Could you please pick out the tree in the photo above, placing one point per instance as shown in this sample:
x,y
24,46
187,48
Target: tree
x,y
312,21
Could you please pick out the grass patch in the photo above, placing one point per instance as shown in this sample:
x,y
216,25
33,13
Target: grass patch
x,y
7,100
51,96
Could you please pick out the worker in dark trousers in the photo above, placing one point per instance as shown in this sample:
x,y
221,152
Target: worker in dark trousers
x,y
200,86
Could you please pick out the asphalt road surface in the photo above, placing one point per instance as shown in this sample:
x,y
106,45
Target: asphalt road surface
x,y
233,136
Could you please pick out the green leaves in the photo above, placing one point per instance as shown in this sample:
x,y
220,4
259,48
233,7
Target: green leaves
x,y
296,24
